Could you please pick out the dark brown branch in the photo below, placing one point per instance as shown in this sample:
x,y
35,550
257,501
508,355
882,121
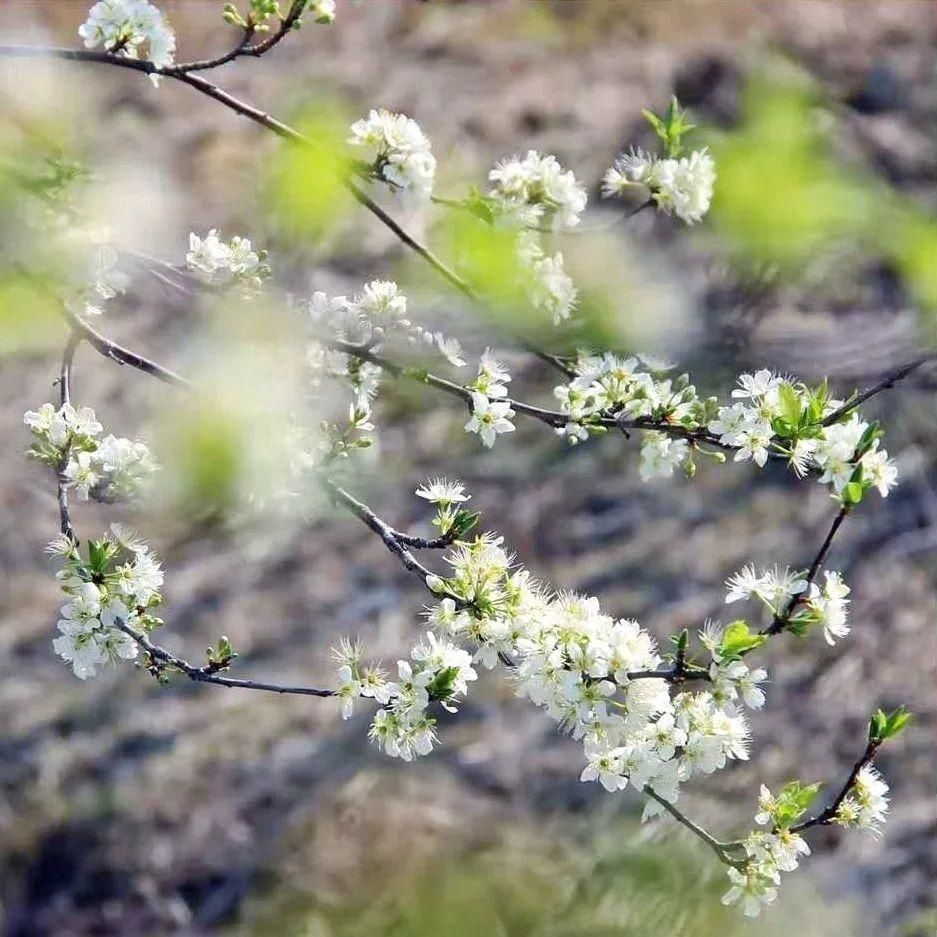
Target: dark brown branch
x,y
722,850
121,355
245,47
427,543
780,621
829,814
65,397
884,384
207,675
200,65
387,534
676,674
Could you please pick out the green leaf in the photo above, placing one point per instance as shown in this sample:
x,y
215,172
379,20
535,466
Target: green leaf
x,y
480,206
681,640
738,639
884,726
781,427
793,802
790,404
655,122
464,521
440,688
671,128
852,493
872,432
99,555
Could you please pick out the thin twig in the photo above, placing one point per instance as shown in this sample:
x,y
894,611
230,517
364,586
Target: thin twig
x,y
121,355
387,534
65,397
885,384
780,621
206,675
829,814
722,850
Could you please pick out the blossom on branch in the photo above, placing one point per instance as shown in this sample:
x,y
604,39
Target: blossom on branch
x,y
398,152
123,27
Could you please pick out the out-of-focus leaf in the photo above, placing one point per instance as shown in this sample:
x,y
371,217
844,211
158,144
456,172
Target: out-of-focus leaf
x,y
29,314
305,182
784,198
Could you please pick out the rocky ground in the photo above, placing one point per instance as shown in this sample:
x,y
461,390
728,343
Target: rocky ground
x,y
130,808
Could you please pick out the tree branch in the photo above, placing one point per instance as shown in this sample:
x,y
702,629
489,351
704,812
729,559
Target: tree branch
x,y
885,384
722,850
388,535
65,397
121,355
206,675
780,621
829,814
281,129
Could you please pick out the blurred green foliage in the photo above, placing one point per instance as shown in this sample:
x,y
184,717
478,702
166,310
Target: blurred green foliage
x,y
615,884
29,313
784,196
304,183
39,174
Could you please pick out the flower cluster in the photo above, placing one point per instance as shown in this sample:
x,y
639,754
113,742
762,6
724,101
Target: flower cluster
x,y
779,849
774,414
374,314
117,585
609,387
768,853
438,672
597,677
220,264
681,187
108,469
660,455
769,416
124,26
826,607
536,189
366,319
398,152
785,595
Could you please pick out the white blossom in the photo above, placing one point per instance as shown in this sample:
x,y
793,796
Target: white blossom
x,y
660,454
866,805
751,888
829,605
549,287
489,418
220,263
630,168
125,26
398,152
442,491
91,625
540,182
450,349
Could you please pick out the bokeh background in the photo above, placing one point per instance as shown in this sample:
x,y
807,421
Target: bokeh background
x,y
126,807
